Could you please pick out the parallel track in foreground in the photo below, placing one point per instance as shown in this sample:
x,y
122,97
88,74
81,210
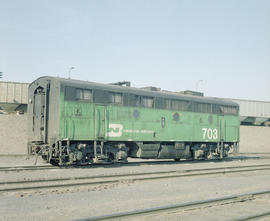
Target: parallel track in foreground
x,y
136,174
163,209
127,177
254,217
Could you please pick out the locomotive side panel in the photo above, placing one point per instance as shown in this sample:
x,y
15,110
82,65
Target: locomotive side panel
x,y
232,133
76,114
142,124
76,121
82,121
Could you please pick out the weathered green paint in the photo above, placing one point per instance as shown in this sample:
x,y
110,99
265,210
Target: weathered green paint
x,y
100,122
88,121
76,120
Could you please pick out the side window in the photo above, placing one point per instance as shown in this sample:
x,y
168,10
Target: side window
x,y
116,98
137,100
159,103
83,94
79,94
87,95
229,110
131,99
184,105
147,101
205,108
177,105
223,109
141,101
70,93
216,109
236,109
168,104
101,96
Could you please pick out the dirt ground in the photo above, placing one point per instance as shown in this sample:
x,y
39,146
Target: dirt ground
x,y
13,134
79,202
254,139
85,201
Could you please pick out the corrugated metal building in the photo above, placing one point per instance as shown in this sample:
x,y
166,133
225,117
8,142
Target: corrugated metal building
x,y
13,96
254,112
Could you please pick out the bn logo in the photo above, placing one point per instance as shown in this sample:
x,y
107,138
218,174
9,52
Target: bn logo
x,y
115,130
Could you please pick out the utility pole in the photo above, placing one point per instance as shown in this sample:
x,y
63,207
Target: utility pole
x,y
197,84
70,69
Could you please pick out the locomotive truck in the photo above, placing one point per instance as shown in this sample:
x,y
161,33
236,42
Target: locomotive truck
x,y
81,122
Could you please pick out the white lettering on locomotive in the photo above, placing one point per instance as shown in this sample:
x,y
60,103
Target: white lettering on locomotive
x,y
115,130
209,133
139,131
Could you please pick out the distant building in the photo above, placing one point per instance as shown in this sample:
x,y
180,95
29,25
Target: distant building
x,y
254,112
13,97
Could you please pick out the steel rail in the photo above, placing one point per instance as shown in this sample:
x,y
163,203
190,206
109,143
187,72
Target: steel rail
x,y
43,167
235,198
262,153
254,217
131,174
129,178
85,177
19,168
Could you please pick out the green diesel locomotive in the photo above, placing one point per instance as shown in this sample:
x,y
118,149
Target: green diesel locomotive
x,y
80,122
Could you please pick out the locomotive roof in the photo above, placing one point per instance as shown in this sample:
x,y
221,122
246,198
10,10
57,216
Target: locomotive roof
x,y
138,91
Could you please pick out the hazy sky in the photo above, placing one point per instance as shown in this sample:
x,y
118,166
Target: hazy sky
x,y
165,43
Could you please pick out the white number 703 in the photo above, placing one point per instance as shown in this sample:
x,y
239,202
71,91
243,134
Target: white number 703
x,y
210,133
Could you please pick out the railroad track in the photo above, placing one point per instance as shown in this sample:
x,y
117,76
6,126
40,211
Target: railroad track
x,y
49,167
20,168
24,185
195,204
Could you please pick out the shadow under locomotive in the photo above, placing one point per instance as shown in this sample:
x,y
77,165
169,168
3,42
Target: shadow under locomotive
x,y
231,158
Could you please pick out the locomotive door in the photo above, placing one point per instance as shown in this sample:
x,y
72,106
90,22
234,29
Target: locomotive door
x,y
39,114
100,123
221,128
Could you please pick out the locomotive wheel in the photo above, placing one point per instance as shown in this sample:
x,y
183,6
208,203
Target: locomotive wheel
x,y
44,158
54,162
111,157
